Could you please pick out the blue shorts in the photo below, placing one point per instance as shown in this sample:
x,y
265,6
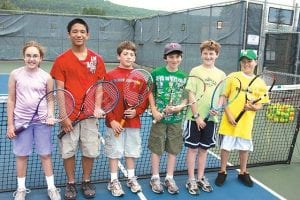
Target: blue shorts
x,y
204,139
36,134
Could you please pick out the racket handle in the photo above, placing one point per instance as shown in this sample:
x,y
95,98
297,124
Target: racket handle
x,y
61,135
19,130
237,119
154,121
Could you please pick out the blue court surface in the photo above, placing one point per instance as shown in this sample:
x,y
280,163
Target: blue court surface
x,y
231,190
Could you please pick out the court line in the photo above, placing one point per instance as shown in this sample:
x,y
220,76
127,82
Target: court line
x,y
254,179
140,194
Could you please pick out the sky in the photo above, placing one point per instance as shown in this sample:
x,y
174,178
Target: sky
x,y
173,5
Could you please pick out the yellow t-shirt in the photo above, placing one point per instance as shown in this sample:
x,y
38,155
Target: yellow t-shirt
x,y
211,77
243,129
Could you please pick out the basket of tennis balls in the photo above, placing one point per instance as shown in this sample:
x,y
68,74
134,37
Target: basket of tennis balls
x,y
282,113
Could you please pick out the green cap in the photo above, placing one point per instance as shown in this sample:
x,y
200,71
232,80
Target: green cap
x,y
248,53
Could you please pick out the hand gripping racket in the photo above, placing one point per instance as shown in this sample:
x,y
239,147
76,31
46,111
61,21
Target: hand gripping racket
x,y
197,83
254,93
102,96
55,106
219,99
137,87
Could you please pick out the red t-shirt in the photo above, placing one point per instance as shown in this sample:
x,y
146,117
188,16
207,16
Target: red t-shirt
x,y
118,76
78,75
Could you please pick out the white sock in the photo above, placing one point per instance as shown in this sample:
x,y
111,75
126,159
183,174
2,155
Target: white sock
x,y
155,176
21,183
169,176
130,173
113,176
50,182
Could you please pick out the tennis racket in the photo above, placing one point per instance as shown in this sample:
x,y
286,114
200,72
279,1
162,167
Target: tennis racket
x,y
137,87
219,100
200,90
100,97
254,94
55,106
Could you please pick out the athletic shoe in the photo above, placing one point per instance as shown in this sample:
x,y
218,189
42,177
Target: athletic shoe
x,y
192,187
171,186
54,194
20,194
220,178
70,191
245,179
115,188
204,184
134,185
156,185
88,190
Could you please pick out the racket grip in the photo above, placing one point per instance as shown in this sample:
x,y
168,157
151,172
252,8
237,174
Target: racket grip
x,y
237,119
19,130
154,121
61,135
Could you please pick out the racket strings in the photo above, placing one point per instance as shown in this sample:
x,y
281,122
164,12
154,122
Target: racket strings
x,y
137,87
59,104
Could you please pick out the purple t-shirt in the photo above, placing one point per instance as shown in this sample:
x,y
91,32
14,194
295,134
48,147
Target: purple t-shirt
x,y
31,86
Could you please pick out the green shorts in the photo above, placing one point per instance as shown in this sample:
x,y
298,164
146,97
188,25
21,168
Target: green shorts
x,y
85,136
165,137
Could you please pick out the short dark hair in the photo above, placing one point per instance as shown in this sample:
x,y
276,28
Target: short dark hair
x,y
126,45
77,21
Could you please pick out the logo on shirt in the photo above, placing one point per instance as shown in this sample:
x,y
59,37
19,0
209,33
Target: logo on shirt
x,y
92,64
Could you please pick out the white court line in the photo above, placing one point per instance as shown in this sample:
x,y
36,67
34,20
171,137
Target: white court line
x,y
254,180
140,194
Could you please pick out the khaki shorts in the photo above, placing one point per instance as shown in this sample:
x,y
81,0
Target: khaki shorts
x,y
165,137
84,136
128,143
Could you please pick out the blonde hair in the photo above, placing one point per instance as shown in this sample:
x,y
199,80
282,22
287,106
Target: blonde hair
x,y
35,44
210,45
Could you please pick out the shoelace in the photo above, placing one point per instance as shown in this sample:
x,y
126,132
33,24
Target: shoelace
x,y
26,191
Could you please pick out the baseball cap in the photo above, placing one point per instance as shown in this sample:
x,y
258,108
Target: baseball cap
x,y
248,53
171,47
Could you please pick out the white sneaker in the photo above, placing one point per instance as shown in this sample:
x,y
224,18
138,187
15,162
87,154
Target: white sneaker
x,y
20,194
54,194
134,185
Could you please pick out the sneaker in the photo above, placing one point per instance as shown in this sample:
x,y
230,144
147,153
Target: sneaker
x,y
156,186
20,194
54,194
192,187
171,185
70,191
220,178
134,185
245,179
204,184
88,189
115,188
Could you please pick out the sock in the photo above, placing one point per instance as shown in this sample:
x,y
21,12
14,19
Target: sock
x,y
113,176
130,173
155,176
21,183
50,182
169,176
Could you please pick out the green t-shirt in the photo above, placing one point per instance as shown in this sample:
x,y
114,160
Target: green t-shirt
x,y
169,89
